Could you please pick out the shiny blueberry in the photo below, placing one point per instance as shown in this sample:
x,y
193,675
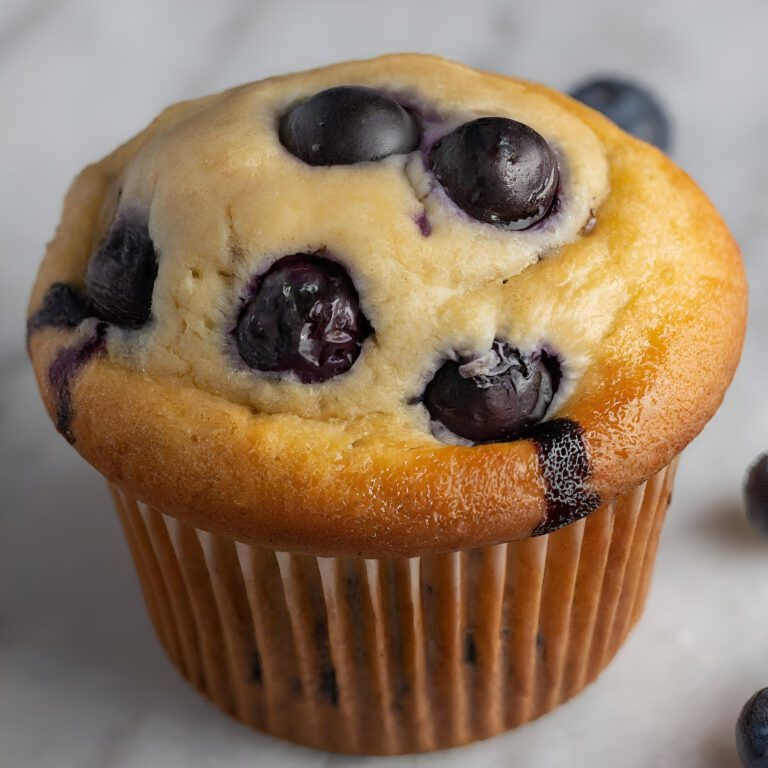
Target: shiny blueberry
x,y
494,396
348,124
498,171
752,732
121,274
756,493
303,318
631,107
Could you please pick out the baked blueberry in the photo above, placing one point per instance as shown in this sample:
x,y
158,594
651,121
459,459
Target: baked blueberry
x,y
756,493
303,318
495,396
497,170
348,124
121,273
631,107
752,732
64,306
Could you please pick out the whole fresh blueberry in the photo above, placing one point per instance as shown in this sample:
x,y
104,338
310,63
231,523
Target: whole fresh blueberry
x,y
752,731
121,274
303,318
495,396
498,171
756,493
631,107
348,124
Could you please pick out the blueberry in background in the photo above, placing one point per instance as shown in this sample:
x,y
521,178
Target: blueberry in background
x,y
630,106
348,124
756,493
752,731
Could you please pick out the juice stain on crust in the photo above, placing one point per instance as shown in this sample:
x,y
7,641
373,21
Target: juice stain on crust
x,y
565,467
66,365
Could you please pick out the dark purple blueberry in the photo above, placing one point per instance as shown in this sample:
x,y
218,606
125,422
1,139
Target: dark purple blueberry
x,y
497,170
63,307
756,493
121,274
494,396
303,318
752,732
631,107
348,124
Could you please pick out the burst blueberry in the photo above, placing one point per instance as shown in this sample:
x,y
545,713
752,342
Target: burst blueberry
x,y
756,493
495,396
122,272
498,171
752,731
348,124
304,318
64,306
631,107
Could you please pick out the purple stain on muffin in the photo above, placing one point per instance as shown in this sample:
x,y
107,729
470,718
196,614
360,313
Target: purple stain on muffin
x,y
65,367
565,467
423,223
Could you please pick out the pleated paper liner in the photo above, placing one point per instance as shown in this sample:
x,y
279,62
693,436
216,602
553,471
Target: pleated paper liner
x,y
394,656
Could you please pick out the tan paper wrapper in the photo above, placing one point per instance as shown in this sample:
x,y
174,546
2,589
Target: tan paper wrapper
x,y
393,656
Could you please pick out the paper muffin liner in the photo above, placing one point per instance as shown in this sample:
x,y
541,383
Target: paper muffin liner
x,y
400,655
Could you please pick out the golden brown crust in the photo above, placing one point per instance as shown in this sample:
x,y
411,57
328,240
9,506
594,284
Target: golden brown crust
x,y
335,487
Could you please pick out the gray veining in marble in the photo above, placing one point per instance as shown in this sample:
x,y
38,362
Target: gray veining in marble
x,y
83,683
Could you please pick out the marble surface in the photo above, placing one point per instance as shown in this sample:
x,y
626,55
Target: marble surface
x,y
83,682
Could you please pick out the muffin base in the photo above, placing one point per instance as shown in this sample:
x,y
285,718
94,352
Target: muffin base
x,y
401,655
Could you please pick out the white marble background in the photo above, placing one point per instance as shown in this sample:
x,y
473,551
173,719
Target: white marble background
x,y
83,683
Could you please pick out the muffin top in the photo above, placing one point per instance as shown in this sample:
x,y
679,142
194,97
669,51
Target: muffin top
x,y
383,308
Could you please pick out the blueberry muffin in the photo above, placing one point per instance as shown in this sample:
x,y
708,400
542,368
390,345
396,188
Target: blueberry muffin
x,y
388,365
